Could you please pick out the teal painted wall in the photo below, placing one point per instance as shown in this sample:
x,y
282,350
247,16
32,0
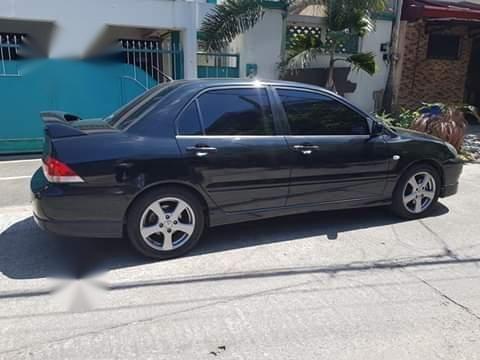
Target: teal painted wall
x,y
88,89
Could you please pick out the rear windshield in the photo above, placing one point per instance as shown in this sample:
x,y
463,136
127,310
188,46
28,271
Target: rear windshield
x,y
132,111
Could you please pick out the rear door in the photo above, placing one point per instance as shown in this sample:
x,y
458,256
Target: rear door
x,y
228,137
333,156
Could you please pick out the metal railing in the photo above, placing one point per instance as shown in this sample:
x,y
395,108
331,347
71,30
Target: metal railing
x,y
9,52
152,61
218,65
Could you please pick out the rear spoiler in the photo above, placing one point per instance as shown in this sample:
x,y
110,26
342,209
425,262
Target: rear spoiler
x,y
57,124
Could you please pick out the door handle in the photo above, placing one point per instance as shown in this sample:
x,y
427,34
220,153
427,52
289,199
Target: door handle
x,y
201,147
201,150
125,165
306,149
306,146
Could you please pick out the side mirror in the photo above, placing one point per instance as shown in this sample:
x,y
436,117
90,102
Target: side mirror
x,y
377,129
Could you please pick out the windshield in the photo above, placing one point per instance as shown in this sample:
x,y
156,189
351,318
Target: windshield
x,y
131,111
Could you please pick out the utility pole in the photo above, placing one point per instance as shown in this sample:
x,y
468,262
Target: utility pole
x,y
394,58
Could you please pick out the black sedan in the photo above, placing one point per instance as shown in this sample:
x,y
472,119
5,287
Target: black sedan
x,y
190,154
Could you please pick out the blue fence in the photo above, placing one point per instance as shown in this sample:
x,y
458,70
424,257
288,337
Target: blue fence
x,y
90,89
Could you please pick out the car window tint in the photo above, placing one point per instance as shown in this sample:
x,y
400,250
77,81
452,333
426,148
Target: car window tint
x,y
189,123
236,112
310,113
135,109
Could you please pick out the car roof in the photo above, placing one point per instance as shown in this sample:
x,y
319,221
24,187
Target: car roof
x,y
207,83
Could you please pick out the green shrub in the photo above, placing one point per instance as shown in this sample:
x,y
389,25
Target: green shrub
x,y
403,119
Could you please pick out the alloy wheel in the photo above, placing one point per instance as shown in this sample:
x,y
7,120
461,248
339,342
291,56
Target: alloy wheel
x,y
167,224
419,192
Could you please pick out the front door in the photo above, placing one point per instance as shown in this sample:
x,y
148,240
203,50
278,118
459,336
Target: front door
x,y
227,136
333,156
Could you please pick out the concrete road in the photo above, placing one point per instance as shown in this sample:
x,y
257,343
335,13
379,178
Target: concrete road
x,y
15,181
344,285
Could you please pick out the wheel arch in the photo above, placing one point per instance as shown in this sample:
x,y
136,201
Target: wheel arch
x,y
179,184
431,162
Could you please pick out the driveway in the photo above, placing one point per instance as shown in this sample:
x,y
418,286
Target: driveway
x,y
354,284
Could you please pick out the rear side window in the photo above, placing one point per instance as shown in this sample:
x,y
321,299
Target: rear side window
x,y
137,108
189,123
236,112
311,113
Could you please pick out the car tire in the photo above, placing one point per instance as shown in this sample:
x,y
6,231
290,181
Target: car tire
x,y
157,229
413,199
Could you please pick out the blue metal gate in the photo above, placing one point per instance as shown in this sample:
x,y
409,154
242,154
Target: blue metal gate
x,y
90,89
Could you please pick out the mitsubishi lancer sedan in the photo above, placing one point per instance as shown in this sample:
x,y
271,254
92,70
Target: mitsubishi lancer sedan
x,y
187,155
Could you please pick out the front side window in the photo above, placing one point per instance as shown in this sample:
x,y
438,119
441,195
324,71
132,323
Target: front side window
x,y
311,113
236,112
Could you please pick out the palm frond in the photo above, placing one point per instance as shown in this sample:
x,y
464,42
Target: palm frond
x,y
363,61
228,20
303,58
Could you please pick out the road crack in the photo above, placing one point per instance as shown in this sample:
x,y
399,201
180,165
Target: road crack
x,y
448,252
448,298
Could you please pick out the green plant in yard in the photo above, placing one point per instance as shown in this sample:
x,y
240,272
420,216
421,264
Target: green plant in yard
x,y
386,118
403,119
406,117
466,156
446,122
344,18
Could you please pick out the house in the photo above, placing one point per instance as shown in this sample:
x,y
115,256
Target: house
x,y
362,89
263,48
439,53
89,57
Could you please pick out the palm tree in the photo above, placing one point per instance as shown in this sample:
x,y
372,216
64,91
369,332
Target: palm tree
x,y
344,18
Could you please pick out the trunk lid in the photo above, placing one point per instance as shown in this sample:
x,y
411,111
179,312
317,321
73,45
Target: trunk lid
x,y
59,124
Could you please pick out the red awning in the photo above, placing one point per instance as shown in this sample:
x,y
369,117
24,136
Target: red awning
x,y
434,9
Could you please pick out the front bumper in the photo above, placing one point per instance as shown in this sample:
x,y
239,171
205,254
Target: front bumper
x,y
451,175
63,210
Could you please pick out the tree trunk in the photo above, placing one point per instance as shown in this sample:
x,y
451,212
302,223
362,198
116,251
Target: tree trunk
x,y
391,85
330,85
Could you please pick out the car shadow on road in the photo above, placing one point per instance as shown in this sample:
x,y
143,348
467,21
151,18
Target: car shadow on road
x,y
27,252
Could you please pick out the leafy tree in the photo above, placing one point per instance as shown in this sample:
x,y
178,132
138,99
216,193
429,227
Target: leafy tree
x,y
344,18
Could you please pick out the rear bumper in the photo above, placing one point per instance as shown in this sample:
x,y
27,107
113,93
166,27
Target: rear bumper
x,y
88,229
451,174
63,211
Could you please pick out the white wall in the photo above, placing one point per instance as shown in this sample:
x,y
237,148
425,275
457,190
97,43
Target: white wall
x,y
261,45
366,84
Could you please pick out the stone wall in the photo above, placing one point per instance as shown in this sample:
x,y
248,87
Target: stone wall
x,y
431,80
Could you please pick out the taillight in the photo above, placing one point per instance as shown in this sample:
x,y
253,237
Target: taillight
x,y
57,172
